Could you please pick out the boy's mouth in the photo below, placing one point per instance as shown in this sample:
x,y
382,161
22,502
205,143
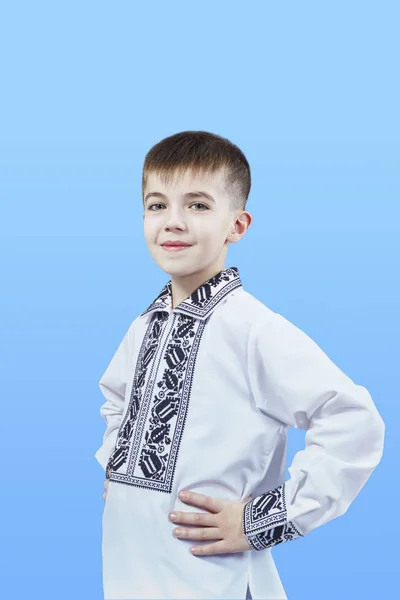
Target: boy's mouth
x,y
175,245
174,248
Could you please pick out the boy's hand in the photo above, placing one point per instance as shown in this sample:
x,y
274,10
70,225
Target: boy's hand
x,y
223,522
106,483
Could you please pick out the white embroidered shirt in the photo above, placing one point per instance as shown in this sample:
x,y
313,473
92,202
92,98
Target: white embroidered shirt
x,y
201,398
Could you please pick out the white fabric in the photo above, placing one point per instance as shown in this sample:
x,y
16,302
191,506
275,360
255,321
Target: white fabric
x,y
201,398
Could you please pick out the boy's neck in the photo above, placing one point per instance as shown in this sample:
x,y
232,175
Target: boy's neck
x,y
183,287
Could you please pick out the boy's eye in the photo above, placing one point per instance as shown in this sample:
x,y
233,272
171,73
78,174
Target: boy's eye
x,y
194,204
199,204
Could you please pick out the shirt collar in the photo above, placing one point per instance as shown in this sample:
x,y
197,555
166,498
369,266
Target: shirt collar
x,y
204,300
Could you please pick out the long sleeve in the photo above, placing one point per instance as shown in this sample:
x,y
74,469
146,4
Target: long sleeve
x,y
113,386
295,382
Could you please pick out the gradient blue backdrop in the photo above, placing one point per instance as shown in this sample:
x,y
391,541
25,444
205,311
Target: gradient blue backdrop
x,y
309,91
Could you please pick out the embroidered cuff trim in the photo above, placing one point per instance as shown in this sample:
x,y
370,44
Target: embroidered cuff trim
x,y
265,521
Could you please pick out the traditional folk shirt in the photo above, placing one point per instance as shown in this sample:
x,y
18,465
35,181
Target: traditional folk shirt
x,y
201,398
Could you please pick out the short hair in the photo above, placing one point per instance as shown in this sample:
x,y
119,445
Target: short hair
x,y
201,152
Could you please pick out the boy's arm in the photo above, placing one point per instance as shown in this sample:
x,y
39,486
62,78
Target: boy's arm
x,y
113,385
295,382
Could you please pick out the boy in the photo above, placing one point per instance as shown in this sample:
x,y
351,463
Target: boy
x,y
200,395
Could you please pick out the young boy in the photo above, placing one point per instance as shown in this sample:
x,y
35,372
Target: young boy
x,y
200,395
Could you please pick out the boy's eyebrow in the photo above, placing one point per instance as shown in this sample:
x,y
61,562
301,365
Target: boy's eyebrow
x,y
188,195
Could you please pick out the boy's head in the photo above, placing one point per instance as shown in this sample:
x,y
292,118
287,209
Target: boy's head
x,y
174,170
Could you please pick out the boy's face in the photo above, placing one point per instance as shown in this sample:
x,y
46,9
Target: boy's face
x,y
206,225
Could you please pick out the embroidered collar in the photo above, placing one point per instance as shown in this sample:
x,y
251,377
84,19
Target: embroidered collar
x,y
204,300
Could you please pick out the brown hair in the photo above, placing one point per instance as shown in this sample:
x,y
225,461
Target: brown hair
x,y
201,152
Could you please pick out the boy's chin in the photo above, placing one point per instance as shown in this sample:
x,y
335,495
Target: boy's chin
x,y
175,270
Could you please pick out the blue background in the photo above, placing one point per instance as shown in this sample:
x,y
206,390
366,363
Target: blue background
x,y
309,91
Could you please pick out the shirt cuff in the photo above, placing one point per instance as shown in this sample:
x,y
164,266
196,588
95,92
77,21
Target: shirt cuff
x,y
265,520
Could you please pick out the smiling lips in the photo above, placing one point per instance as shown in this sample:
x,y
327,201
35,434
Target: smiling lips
x,y
175,243
175,246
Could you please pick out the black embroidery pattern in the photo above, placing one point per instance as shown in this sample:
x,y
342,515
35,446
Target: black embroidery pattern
x,y
149,437
169,406
202,301
265,521
274,536
149,346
